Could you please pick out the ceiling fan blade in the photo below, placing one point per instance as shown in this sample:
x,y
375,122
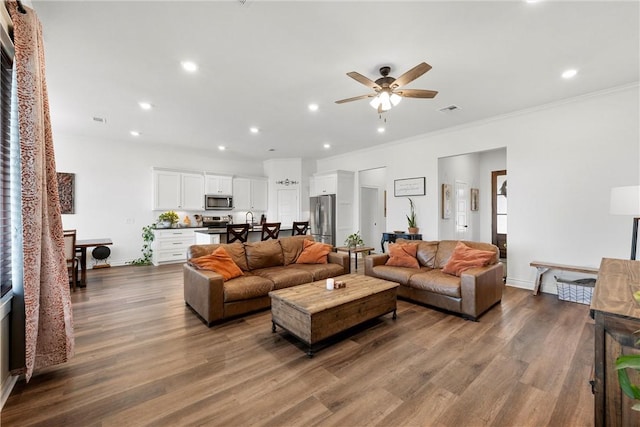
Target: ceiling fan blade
x,y
355,98
411,75
416,93
364,80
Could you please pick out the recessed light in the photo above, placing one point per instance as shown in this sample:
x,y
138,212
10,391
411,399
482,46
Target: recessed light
x,y
254,129
569,74
327,146
145,105
134,133
221,147
380,130
189,66
313,107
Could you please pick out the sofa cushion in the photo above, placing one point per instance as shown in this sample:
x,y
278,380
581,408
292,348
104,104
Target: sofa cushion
x,y
263,254
403,255
292,247
314,253
395,274
437,282
464,257
284,277
220,262
426,253
446,248
320,271
246,287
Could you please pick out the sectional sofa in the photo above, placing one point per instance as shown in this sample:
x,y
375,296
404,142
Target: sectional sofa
x,y
470,294
266,266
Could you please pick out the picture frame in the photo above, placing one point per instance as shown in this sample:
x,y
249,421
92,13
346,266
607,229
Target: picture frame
x,y
446,201
409,187
66,184
474,199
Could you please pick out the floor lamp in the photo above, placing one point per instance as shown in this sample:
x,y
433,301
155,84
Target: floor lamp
x,y
626,201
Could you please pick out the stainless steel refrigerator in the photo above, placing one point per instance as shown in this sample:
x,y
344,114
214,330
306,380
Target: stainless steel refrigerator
x,y
322,219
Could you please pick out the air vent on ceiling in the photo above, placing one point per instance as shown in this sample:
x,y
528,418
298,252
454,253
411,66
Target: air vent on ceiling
x,y
100,120
449,108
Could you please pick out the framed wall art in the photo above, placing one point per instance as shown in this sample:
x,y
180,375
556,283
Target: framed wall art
x,y
66,183
446,201
409,187
474,199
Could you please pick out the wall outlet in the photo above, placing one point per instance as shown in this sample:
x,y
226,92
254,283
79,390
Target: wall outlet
x,y
130,221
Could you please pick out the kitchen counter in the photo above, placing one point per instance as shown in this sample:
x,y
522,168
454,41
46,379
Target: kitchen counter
x,y
215,235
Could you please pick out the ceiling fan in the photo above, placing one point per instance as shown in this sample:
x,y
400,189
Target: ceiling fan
x,y
388,92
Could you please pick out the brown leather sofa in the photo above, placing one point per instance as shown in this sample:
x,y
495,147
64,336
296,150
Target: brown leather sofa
x,y
266,266
474,292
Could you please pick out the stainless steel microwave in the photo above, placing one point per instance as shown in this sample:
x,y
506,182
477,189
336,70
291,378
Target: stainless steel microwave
x,y
213,202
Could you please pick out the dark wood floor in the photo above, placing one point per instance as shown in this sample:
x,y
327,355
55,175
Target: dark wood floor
x,y
143,358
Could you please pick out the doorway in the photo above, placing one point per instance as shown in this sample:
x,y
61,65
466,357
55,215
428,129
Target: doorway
x,y
499,211
462,225
370,215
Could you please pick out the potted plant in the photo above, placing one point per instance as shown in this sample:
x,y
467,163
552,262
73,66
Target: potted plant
x,y
147,250
168,219
354,240
411,218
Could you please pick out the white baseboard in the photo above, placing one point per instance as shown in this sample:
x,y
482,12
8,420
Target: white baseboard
x,y
547,288
7,387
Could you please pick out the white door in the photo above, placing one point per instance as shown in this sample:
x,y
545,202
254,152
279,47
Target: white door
x,y
370,216
287,206
462,207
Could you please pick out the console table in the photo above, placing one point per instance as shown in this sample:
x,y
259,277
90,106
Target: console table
x,y
391,237
617,318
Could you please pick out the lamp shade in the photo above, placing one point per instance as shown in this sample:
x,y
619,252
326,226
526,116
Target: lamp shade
x,y
625,200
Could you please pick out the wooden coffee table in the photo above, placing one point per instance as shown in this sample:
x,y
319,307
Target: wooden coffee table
x,y
312,313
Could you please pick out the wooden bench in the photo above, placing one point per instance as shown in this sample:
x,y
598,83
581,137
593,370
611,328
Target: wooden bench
x,y
543,267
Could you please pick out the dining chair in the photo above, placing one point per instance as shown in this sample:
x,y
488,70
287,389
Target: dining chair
x,y
70,255
270,230
299,228
237,232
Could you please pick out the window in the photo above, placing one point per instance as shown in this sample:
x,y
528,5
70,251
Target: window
x,y
6,173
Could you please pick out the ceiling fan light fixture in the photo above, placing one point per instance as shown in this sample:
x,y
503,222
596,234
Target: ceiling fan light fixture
x,y
395,99
375,102
385,101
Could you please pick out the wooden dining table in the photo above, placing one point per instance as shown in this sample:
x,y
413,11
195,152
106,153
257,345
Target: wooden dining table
x,y
81,248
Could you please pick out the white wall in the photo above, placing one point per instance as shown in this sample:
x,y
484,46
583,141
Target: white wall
x,y
562,161
113,185
280,170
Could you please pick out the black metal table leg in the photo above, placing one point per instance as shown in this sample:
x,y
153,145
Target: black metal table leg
x,y
273,327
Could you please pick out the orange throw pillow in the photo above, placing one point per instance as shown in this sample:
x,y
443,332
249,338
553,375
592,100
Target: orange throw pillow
x,y
314,253
403,255
219,261
464,257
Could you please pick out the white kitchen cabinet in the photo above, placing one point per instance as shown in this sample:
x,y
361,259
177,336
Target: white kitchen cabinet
x,y
207,239
170,245
218,185
192,186
323,184
173,190
250,194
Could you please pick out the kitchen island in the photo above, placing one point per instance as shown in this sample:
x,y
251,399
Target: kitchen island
x,y
219,235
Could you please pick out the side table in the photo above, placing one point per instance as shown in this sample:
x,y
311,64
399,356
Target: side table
x,y
356,251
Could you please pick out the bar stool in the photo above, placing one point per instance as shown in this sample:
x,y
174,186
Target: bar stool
x,y
70,255
237,232
299,228
270,230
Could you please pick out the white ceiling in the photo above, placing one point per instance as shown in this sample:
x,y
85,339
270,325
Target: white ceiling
x,y
263,62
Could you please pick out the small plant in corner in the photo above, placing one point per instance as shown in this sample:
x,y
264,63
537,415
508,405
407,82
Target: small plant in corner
x,y
354,240
147,250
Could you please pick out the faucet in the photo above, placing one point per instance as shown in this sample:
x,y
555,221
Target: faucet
x,y
246,218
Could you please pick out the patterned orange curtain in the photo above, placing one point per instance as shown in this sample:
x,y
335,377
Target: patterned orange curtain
x,y
48,317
